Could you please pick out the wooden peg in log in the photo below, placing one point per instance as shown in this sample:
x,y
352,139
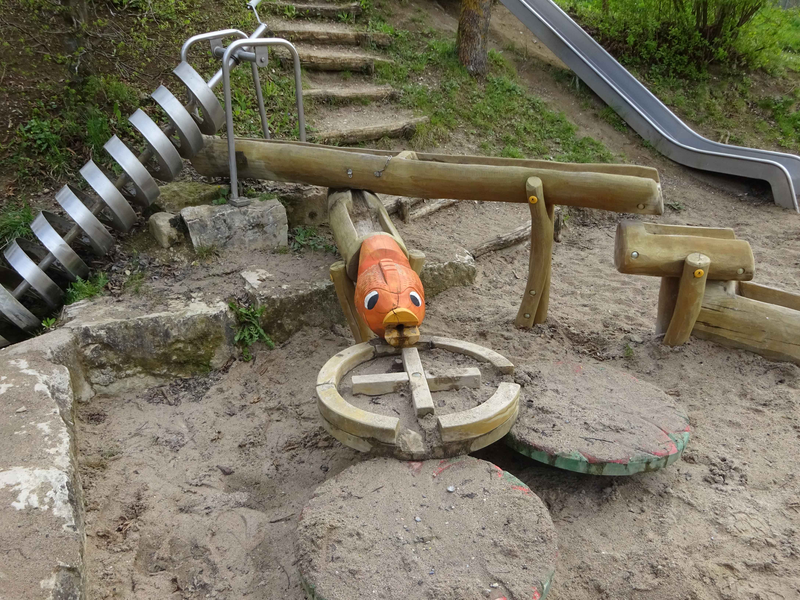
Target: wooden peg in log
x,y
691,289
536,299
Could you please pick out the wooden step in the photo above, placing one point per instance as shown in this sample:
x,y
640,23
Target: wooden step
x,y
322,11
370,132
327,34
324,59
341,93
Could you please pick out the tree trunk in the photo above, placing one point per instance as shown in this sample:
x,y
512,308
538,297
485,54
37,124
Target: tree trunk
x,y
473,33
76,16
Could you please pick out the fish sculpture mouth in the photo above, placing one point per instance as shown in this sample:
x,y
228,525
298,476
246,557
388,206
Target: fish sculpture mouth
x,y
401,328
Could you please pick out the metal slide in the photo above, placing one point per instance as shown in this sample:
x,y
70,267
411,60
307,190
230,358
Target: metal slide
x,y
645,113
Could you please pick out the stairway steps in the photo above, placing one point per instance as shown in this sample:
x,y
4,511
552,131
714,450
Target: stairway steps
x,y
320,11
327,34
354,92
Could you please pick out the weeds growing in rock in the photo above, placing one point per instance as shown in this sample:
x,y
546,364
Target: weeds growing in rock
x,y
81,289
248,328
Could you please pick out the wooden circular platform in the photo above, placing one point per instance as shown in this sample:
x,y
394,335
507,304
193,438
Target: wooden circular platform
x,y
423,425
598,420
452,528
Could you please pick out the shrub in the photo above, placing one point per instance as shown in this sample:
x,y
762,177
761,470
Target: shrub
x,y
681,38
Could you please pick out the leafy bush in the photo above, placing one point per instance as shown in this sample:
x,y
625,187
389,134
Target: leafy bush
x,y
681,38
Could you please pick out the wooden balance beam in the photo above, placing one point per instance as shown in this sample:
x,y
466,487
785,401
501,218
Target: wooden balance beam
x,y
540,184
705,289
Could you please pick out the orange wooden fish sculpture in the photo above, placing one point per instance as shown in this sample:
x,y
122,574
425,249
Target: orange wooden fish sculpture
x,y
389,294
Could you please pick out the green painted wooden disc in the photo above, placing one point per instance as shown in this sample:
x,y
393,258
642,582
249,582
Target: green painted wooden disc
x,y
595,419
453,528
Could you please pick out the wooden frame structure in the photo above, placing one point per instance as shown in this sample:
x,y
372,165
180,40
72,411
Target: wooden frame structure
x,y
540,184
705,288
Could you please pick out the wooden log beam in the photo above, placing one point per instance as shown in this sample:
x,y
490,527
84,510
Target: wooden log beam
x,y
429,177
649,249
764,293
733,320
430,208
458,159
690,297
515,236
535,301
667,297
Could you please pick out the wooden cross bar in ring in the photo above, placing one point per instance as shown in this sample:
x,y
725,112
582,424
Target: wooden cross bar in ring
x,y
422,384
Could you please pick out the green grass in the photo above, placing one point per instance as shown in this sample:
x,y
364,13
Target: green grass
x,y
15,221
81,289
248,328
134,283
498,113
307,238
206,252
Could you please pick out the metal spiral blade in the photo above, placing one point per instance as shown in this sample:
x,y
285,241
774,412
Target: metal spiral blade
x,y
37,264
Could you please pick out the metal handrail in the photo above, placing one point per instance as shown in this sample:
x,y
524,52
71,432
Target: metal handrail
x,y
231,52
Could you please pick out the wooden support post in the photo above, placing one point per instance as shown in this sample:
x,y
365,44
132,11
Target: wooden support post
x,y
535,301
691,290
417,260
345,292
667,297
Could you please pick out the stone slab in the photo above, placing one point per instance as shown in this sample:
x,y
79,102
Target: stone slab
x,y
123,348
261,225
291,305
41,515
439,276
595,419
456,528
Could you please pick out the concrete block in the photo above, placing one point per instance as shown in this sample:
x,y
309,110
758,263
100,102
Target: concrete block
x,y
260,226
41,518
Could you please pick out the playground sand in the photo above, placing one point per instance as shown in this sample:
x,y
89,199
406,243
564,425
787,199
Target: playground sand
x,y
199,496
195,490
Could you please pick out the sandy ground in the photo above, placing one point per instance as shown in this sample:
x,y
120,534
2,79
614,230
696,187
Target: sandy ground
x,y
194,491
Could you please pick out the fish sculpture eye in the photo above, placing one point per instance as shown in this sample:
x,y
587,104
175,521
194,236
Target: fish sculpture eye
x,y
371,300
415,299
